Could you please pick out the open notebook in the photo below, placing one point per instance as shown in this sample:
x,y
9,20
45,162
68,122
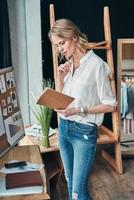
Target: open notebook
x,y
54,99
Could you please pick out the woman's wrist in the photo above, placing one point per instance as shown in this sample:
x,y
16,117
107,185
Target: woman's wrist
x,y
82,111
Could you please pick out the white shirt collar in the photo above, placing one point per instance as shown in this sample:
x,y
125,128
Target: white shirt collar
x,y
86,56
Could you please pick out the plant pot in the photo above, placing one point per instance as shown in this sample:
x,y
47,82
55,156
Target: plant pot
x,y
45,141
45,137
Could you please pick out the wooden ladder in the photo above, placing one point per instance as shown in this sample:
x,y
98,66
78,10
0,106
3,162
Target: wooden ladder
x,y
106,136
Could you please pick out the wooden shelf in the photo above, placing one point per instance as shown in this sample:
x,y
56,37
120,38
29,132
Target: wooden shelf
x,y
26,152
106,136
51,157
52,164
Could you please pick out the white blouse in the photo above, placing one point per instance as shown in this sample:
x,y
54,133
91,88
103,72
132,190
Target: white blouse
x,y
90,86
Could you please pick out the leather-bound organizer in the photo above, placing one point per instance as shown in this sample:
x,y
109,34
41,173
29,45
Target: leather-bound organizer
x,y
23,179
54,99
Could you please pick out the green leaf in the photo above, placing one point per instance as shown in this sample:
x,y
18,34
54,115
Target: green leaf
x,y
43,114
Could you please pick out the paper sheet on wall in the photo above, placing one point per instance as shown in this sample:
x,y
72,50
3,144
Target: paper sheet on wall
x,y
2,127
14,127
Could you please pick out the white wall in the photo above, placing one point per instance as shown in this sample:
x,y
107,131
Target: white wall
x,y
25,33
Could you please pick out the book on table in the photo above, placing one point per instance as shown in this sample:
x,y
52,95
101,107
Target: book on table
x,y
18,191
54,99
23,179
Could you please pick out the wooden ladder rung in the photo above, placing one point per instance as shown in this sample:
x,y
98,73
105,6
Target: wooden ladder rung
x,y
106,139
106,136
99,45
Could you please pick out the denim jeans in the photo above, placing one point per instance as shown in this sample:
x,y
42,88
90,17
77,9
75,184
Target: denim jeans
x,y
77,144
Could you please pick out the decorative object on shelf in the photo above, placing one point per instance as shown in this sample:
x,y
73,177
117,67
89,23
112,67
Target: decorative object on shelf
x,y
43,115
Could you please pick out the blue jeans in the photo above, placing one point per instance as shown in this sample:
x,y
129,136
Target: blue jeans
x,y
77,144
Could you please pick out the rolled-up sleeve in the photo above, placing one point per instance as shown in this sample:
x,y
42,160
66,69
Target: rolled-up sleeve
x,y
103,85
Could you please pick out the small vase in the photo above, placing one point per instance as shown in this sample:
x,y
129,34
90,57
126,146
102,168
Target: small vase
x,y
45,141
45,138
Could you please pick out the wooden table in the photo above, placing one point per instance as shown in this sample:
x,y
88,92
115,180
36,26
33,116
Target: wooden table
x,y
51,157
32,140
30,153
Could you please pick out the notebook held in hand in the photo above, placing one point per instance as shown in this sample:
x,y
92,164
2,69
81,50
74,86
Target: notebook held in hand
x,y
54,99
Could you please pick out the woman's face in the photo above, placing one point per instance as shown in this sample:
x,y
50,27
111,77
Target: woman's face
x,y
66,47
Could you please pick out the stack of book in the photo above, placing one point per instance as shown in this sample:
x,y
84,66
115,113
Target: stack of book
x,y
29,182
23,179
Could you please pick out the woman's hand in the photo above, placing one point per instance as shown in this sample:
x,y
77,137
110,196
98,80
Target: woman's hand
x,y
68,111
63,69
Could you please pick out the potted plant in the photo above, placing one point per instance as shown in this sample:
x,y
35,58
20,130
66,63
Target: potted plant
x,y
43,115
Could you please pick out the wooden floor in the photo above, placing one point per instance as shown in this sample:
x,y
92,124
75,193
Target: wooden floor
x,y
105,183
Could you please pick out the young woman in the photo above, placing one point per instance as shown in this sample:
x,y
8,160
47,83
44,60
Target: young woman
x,y
83,76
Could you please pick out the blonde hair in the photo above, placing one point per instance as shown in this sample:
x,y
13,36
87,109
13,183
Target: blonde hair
x,y
65,28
